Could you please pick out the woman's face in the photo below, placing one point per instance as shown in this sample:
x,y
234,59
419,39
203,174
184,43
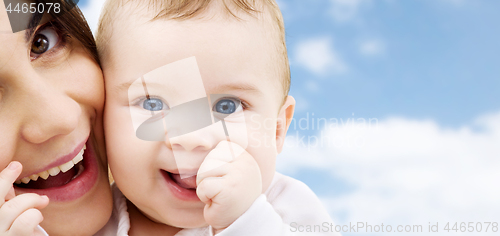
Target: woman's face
x,y
51,103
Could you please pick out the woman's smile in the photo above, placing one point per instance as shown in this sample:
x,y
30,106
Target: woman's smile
x,y
67,181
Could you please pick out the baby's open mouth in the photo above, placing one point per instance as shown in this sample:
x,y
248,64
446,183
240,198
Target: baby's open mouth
x,y
56,176
183,187
186,182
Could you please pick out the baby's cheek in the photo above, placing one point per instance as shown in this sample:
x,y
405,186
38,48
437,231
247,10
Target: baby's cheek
x,y
238,133
263,149
262,145
262,133
119,136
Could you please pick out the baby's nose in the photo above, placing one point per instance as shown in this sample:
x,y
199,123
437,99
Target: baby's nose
x,y
197,141
204,139
189,150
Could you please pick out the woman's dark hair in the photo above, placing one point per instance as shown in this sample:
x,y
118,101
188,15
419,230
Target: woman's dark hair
x,y
74,23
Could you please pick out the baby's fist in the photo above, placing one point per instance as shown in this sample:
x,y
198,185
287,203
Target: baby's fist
x,y
228,182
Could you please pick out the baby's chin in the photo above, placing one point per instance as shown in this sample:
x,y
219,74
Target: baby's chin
x,y
185,220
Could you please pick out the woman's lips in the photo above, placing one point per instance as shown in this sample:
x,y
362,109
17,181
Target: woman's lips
x,y
76,187
60,161
183,189
52,181
57,174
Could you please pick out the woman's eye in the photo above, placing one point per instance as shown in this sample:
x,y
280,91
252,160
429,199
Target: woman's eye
x,y
227,106
44,40
152,104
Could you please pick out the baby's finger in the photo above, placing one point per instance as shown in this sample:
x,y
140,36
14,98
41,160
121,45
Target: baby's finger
x,y
209,188
26,223
210,169
11,194
12,209
7,178
216,160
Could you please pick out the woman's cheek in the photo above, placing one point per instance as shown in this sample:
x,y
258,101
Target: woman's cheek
x,y
7,138
95,89
87,80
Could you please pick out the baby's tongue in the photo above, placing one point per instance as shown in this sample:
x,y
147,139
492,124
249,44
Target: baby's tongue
x,y
186,182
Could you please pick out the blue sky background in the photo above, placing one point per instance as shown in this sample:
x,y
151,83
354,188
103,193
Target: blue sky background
x,y
428,71
440,58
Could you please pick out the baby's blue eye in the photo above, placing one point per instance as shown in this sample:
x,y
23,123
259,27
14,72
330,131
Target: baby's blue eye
x,y
153,104
226,106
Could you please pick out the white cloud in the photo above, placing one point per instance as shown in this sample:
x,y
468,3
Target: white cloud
x,y
319,56
92,11
372,47
312,86
346,10
404,171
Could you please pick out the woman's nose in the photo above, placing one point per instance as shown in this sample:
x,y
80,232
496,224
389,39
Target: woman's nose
x,y
49,112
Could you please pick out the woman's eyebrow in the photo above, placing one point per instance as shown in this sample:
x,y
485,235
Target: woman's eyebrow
x,y
32,25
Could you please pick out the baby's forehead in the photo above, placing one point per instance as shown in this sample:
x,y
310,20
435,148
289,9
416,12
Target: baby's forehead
x,y
182,80
138,16
140,52
227,50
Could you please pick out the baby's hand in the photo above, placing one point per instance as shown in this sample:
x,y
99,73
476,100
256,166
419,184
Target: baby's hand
x,y
19,215
228,186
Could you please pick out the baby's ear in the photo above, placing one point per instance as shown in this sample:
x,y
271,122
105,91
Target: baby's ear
x,y
284,119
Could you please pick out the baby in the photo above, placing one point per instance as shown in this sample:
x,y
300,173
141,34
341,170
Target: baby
x,y
197,110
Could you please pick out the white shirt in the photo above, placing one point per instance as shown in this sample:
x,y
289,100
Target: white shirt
x,y
38,227
285,205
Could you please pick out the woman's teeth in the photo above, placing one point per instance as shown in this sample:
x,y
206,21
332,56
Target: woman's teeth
x,y
56,170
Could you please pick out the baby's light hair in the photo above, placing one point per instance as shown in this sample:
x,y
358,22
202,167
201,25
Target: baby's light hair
x,y
187,9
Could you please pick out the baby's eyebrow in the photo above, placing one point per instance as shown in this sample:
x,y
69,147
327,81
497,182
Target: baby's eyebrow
x,y
123,86
237,86
219,88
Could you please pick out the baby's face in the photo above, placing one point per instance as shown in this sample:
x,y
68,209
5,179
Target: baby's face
x,y
155,67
